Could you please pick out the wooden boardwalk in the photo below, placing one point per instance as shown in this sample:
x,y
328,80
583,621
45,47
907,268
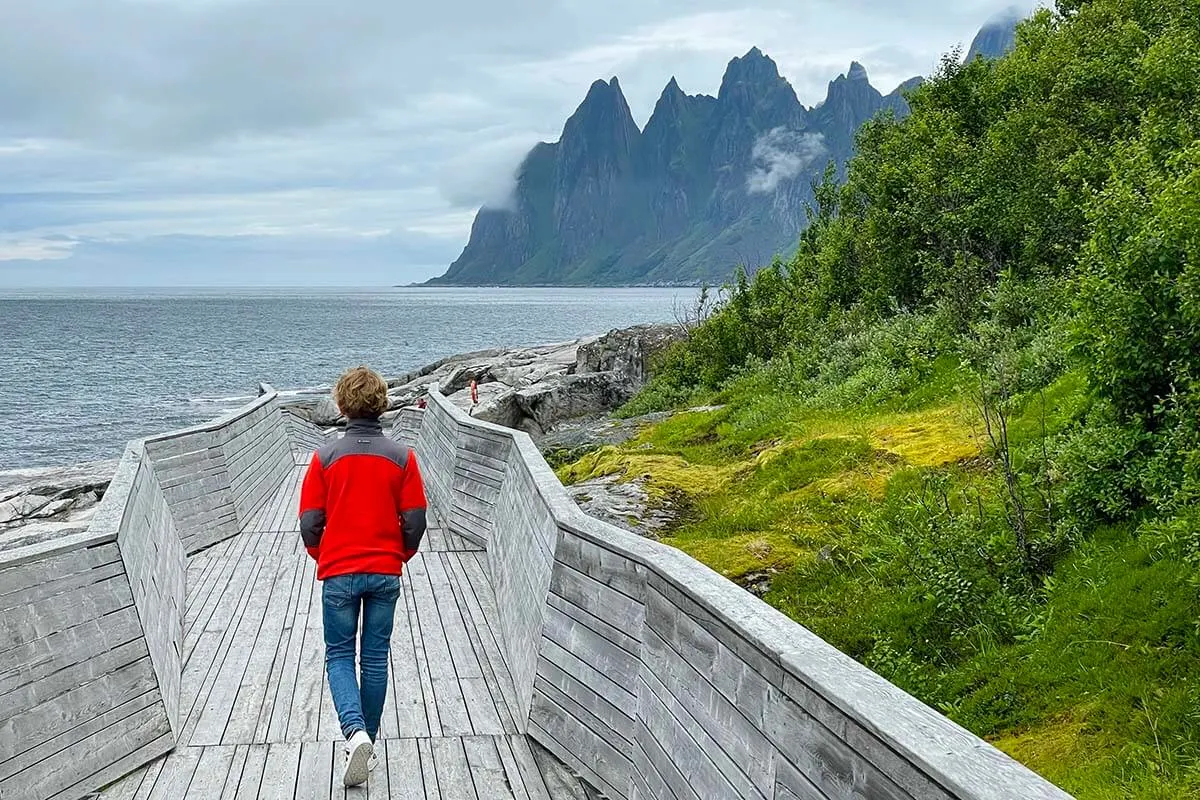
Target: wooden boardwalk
x,y
258,721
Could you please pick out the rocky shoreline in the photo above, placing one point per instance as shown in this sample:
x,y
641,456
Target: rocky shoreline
x,y
537,389
562,394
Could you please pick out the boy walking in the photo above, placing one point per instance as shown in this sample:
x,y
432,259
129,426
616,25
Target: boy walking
x,y
362,516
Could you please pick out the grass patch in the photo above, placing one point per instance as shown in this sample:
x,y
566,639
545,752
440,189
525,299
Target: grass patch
x,y
881,526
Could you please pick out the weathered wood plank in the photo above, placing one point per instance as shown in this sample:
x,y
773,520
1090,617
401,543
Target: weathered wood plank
x,y
114,769
51,687
424,673
251,779
462,654
177,773
280,772
246,707
237,766
39,659
42,722
17,581
212,772
315,774
296,628
710,770
453,771
403,768
81,758
218,640
16,762
429,773
486,645
309,693
487,772
24,623
416,710
539,784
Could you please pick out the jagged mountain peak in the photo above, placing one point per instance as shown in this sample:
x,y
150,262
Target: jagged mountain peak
x,y
856,74
603,106
671,95
852,84
997,36
601,90
754,68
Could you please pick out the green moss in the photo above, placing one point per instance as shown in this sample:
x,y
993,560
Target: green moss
x,y
736,557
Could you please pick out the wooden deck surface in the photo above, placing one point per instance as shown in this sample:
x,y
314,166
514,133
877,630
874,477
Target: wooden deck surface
x,y
258,719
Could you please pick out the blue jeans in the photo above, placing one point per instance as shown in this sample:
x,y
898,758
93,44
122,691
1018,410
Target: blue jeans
x,y
359,703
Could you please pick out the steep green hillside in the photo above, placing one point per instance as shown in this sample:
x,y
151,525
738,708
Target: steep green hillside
x,y
958,434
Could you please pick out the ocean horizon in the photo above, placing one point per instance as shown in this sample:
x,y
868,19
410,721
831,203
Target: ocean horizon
x,y
86,369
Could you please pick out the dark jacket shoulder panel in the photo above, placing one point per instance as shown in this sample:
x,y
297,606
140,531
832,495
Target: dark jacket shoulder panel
x,y
362,445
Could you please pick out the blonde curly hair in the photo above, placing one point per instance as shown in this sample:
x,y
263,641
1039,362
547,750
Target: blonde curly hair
x,y
361,392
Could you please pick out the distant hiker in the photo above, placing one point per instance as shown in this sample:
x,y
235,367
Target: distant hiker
x,y
421,402
362,516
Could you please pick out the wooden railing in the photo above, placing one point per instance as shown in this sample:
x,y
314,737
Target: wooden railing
x,y
91,625
214,475
654,677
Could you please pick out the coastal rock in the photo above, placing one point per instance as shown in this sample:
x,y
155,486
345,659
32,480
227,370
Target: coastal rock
x,y
85,501
497,404
571,442
569,397
405,396
24,506
461,376
427,373
41,503
53,482
54,508
626,505
325,413
520,375
629,351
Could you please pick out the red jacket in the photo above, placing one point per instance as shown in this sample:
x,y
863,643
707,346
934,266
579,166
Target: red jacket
x,y
362,505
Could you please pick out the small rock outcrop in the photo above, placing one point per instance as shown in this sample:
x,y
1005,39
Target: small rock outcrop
x,y
325,413
570,397
629,351
624,504
46,502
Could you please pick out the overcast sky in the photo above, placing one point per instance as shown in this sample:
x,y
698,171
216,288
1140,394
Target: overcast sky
x,y
327,142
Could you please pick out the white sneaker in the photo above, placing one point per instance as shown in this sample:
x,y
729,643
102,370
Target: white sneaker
x,y
373,761
359,754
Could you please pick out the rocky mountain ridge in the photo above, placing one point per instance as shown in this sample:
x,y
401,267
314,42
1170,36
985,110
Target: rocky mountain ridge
x,y
708,184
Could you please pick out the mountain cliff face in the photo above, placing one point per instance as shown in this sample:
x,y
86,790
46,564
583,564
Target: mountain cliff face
x,y
997,37
708,184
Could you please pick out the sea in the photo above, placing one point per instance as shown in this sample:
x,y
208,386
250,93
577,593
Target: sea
x,y
84,371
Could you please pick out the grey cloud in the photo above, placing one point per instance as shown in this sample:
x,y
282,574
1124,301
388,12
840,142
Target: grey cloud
x,y
780,155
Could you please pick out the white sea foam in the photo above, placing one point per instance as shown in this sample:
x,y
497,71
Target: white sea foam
x,y
220,401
